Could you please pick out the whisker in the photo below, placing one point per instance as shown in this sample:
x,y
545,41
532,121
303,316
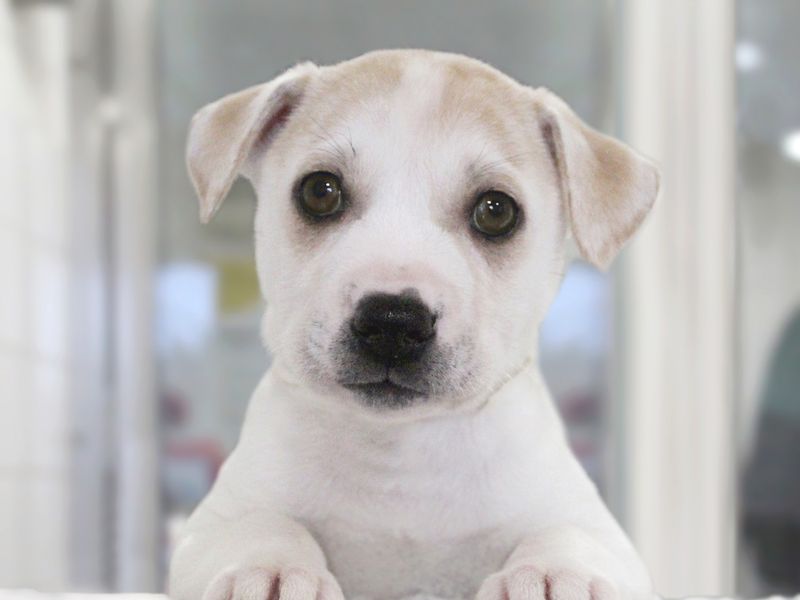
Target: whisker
x,y
333,146
487,167
350,140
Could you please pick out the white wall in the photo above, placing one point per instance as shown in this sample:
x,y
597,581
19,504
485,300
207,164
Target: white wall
x,y
678,293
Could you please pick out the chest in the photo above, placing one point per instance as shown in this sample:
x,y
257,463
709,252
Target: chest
x,y
389,563
433,524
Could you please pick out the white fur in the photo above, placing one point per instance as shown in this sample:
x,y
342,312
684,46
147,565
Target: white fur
x,y
473,491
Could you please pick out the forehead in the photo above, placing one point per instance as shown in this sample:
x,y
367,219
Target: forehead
x,y
418,102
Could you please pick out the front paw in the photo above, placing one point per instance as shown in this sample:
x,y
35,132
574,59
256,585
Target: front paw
x,y
525,582
261,583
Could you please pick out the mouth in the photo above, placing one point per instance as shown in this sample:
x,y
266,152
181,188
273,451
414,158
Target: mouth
x,y
384,393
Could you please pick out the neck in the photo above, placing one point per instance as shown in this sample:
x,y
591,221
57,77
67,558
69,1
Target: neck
x,y
402,463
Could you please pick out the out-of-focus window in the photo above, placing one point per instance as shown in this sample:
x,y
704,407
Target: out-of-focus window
x,y
209,306
767,55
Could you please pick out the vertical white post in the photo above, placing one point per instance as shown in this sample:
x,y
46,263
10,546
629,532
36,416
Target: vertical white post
x,y
134,219
92,391
677,283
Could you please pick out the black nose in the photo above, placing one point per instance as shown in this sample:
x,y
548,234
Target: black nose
x,y
393,329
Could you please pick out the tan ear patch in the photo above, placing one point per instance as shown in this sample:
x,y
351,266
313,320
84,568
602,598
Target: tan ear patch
x,y
607,187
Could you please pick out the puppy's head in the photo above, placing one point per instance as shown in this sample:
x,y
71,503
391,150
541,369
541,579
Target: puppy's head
x,y
412,215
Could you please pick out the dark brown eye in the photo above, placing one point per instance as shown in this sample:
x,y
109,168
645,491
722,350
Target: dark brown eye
x,y
495,214
321,194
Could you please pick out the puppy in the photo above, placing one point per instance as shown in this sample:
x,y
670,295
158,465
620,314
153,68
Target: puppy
x,y
413,209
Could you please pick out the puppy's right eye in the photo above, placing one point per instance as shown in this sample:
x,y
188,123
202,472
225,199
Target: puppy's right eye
x,y
495,214
320,194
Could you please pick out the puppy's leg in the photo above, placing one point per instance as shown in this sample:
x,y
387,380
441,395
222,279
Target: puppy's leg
x,y
568,563
258,555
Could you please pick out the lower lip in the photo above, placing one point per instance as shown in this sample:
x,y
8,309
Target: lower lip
x,y
384,392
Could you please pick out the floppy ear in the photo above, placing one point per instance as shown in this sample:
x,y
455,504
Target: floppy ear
x,y
223,133
607,187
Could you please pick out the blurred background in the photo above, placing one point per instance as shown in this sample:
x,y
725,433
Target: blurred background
x,y
128,332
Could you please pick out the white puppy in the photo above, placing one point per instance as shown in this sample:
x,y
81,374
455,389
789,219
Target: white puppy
x,y
412,214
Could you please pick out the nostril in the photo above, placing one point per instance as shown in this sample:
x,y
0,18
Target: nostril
x,y
421,331
364,328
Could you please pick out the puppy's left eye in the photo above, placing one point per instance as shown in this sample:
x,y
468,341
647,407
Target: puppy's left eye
x,y
495,214
321,194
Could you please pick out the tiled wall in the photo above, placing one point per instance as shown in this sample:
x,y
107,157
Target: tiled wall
x,y
34,297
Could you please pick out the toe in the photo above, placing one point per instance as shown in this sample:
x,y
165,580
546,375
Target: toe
x,y
527,583
567,585
298,584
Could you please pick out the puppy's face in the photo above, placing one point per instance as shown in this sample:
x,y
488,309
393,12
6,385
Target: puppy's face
x,y
412,214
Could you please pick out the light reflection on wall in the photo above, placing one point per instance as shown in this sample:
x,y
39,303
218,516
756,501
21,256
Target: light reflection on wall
x,y
186,295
